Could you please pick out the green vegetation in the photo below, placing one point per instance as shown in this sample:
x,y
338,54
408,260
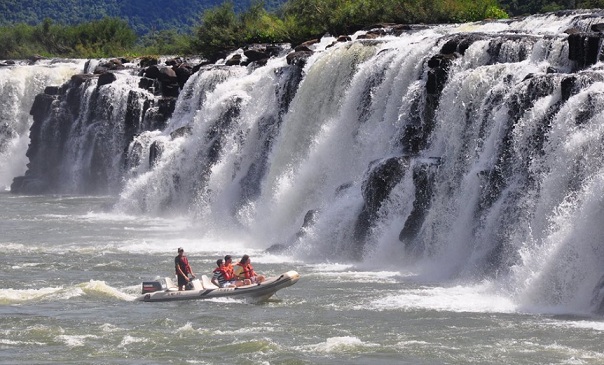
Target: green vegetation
x,y
105,37
95,28
526,7
222,29
143,16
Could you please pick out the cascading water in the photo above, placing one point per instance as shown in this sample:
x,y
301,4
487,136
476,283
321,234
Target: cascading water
x,y
464,153
19,84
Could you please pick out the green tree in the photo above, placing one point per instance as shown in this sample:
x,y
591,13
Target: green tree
x,y
219,31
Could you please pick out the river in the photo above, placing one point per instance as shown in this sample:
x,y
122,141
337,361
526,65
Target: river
x,y
71,270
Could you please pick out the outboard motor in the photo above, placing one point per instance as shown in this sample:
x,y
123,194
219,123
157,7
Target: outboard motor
x,y
151,286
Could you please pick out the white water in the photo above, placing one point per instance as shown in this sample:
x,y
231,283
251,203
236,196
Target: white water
x,y
511,221
19,85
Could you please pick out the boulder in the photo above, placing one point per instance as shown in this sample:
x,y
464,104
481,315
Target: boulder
x,y
183,72
584,48
181,132
106,78
298,58
235,60
381,178
155,152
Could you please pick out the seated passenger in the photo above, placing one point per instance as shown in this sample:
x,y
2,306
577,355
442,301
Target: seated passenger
x,y
245,271
222,278
228,268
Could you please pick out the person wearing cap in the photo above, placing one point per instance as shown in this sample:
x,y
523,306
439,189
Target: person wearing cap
x,y
183,269
245,271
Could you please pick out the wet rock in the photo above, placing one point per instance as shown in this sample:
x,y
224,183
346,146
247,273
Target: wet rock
x,y
235,60
106,78
584,48
381,178
155,152
298,58
181,132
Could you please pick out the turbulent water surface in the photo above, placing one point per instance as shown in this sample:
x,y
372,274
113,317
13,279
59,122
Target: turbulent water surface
x,y
71,271
440,191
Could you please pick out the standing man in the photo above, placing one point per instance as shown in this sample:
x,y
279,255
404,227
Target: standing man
x,y
183,269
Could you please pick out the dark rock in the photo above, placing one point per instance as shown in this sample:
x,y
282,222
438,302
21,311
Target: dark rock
x,y
155,152
152,72
167,75
158,114
181,132
584,48
106,78
35,58
235,60
28,185
369,35
183,72
309,220
597,301
298,58
438,73
51,90
423,180
302,48
174,62
344,38
148,61
111,65
255,55
599,27
41,106
167,78
148,84
460,43
306,45
79,79
382,177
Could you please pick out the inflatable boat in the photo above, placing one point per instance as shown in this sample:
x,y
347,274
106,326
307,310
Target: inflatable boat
x,y
155,291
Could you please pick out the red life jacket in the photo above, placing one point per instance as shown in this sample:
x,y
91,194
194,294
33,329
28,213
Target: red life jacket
x,y
183,263
248,270
229,274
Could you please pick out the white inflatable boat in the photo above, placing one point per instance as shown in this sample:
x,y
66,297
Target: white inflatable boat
x,y
154,291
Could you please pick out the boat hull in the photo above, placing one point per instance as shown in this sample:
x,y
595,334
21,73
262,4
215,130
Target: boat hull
x,y
257,292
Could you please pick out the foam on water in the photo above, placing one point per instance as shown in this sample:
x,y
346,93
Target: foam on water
x,y
479,299
341,344
100,288
72,341
359,276
16,296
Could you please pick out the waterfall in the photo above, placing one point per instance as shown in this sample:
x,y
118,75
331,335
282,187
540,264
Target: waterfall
x,y
19,85
461,153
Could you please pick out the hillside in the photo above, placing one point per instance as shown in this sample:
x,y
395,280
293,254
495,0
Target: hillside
x,y
142,15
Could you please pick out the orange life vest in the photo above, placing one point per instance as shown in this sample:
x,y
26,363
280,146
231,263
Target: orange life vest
x,y
248,271
229,274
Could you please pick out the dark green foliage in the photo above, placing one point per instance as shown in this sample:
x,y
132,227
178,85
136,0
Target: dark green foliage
x,y
100,38
90,28
526,7
223,30
143,16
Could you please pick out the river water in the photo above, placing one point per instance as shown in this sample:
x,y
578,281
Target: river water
x,y
71,270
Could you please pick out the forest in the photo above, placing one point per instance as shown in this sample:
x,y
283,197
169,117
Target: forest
x,y
111,28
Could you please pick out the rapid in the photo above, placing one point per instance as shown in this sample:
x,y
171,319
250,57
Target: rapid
x,y
440,192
